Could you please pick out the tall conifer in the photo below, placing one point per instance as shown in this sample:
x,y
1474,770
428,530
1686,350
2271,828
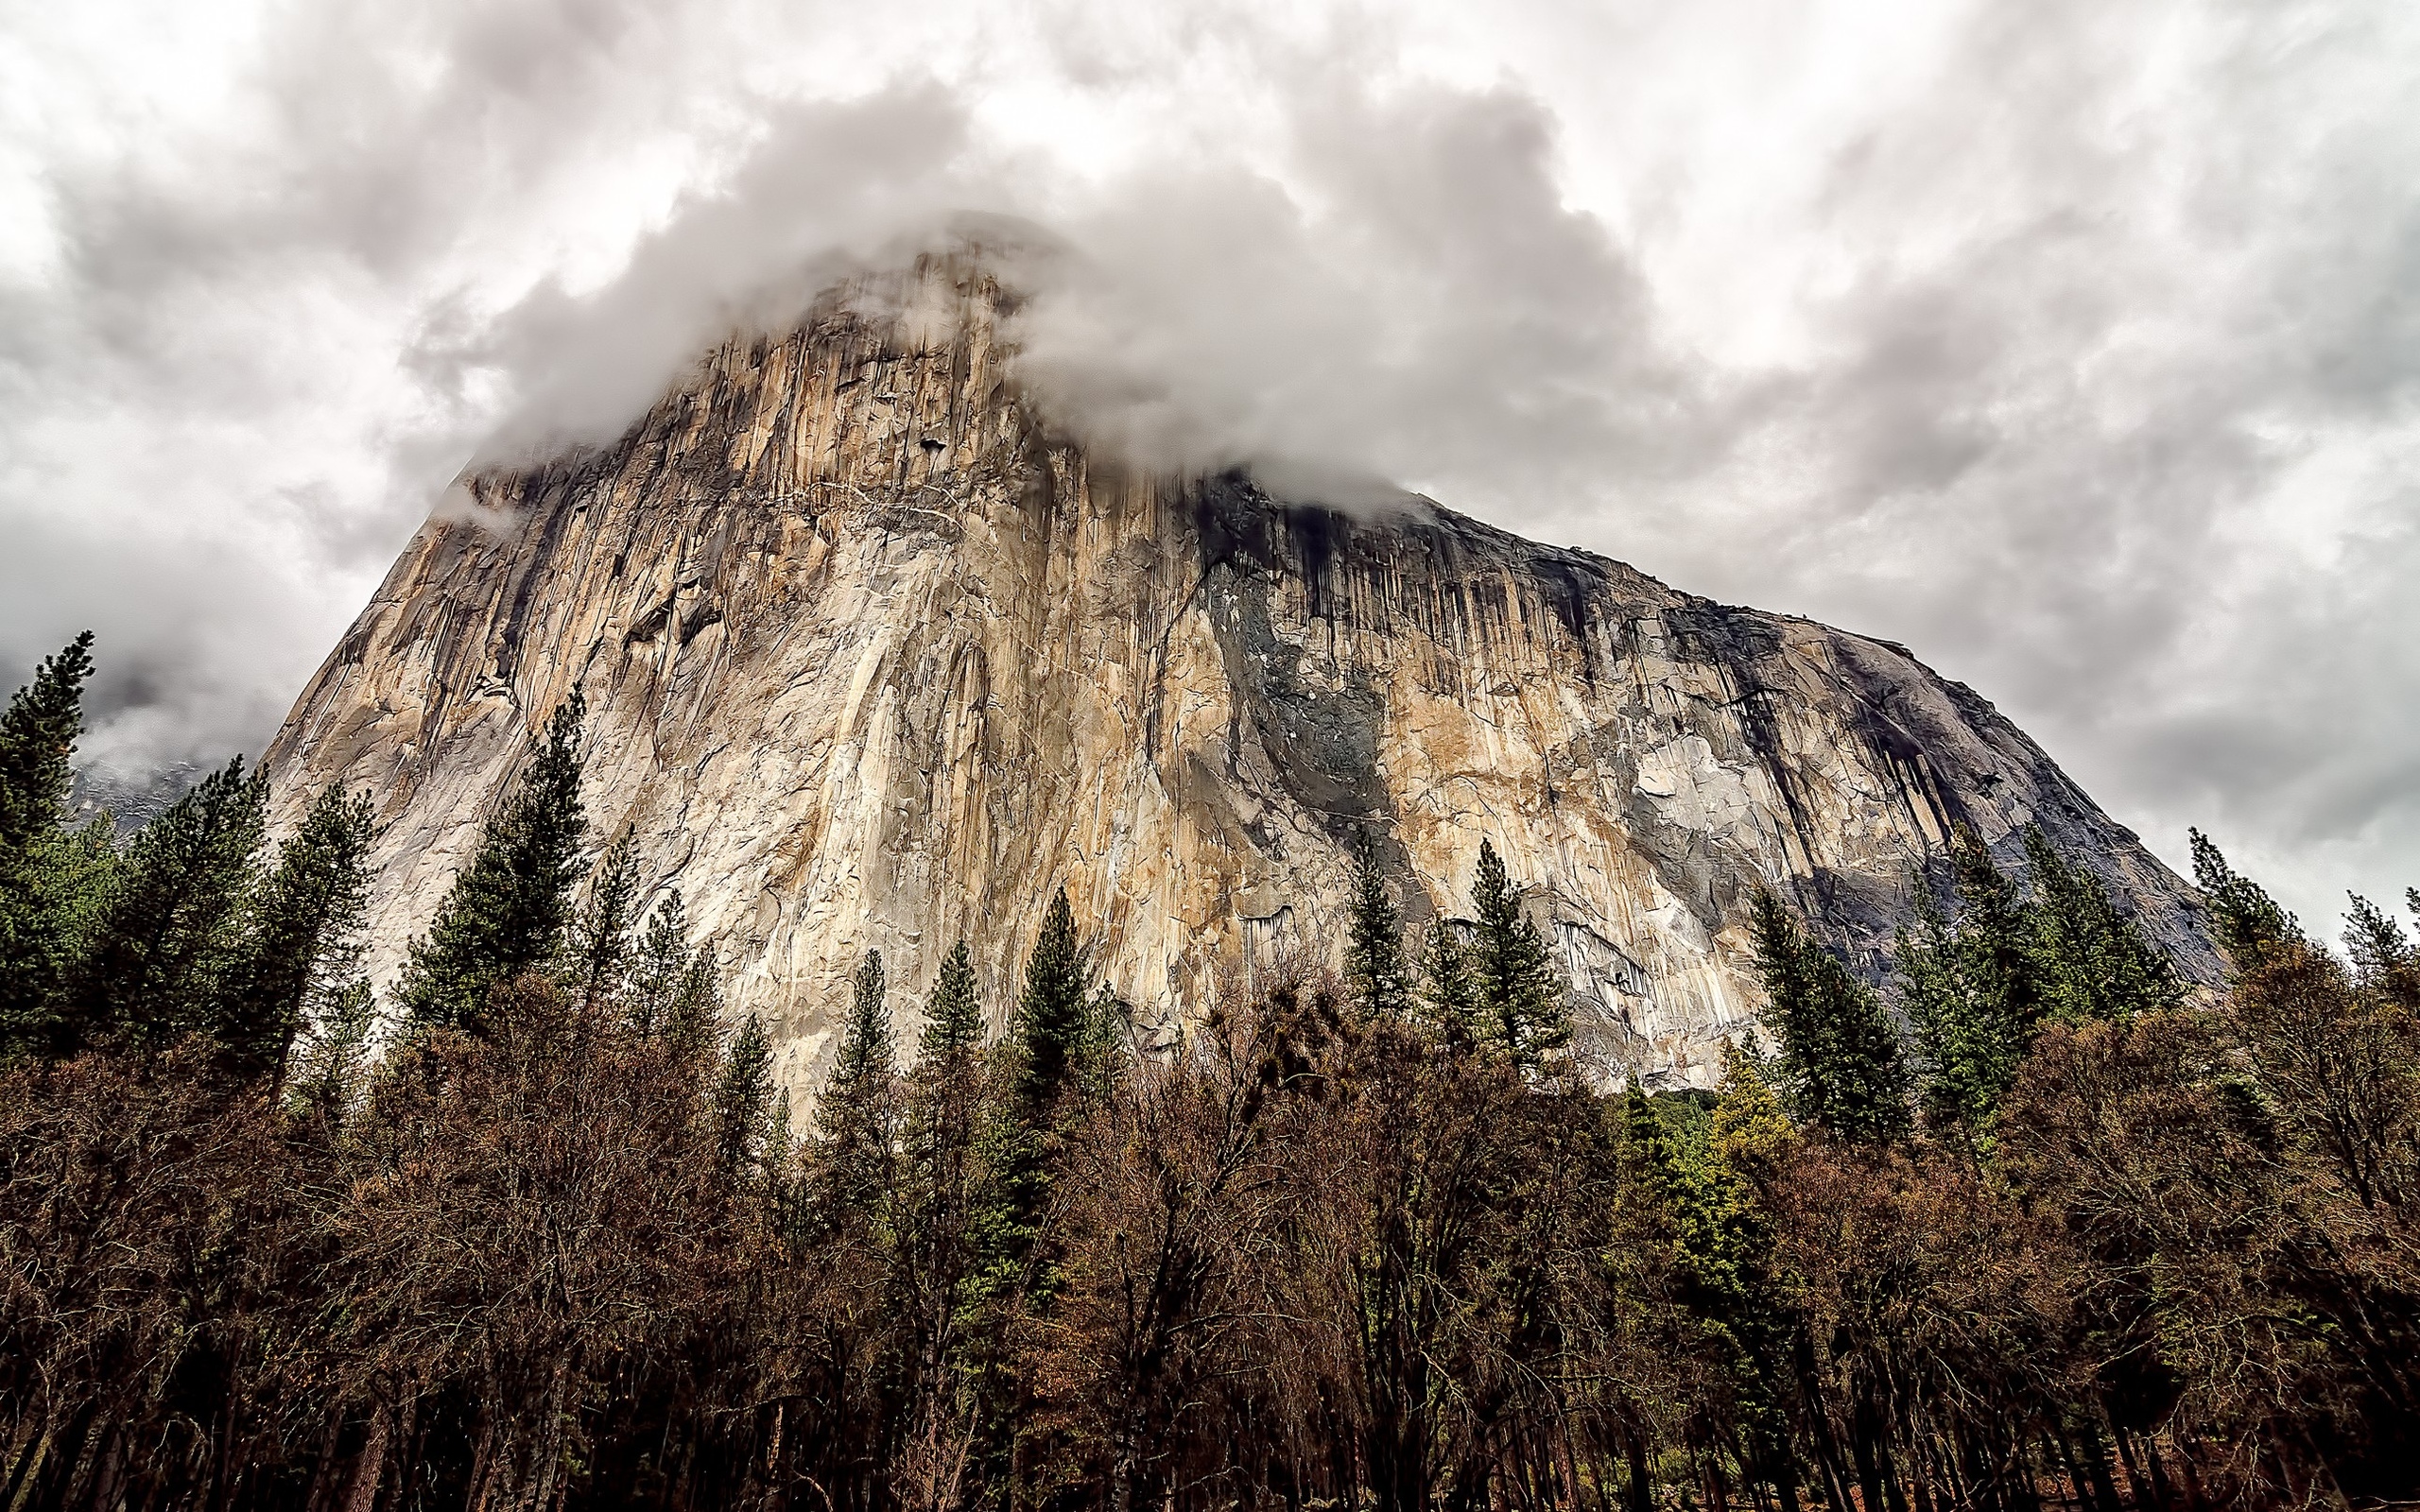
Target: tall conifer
x,y
38,870
305,941
1053,1019
1448,1001
954,1019
169,952
507,912
1373,965
1520,997
743,1099
1838,1053
2091,962
858,1112
600,942
2245,923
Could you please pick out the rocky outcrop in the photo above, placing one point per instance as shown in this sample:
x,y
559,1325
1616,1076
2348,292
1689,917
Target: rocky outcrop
x,y
873,660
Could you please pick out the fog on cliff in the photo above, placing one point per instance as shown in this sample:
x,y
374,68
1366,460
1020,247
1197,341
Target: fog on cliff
x,y
2075,346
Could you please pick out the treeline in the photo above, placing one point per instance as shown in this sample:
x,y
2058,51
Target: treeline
x,y
2032,1227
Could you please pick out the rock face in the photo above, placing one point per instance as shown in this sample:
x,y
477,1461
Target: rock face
x,y
873,660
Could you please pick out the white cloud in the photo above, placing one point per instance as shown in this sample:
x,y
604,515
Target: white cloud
x,y
2071,344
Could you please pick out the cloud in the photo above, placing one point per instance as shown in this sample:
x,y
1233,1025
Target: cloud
x,y
2073,345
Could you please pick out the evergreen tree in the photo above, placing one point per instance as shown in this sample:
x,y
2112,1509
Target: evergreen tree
x,y
2090,961
1968,1054
1520,997
600,943
37,735
2245,923
858,1111
332,1053
1996,941
940,1195
1053,1022
305,937
743,1099
169,952
1448,1001
1373,964
2383,960
1838,1053
659,965
39,869
507,912
687,1024
954,1020
1045,1054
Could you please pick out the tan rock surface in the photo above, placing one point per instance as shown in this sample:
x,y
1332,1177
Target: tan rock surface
x,y
873,663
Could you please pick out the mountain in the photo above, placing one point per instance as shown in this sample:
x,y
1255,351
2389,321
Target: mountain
x,y
875,660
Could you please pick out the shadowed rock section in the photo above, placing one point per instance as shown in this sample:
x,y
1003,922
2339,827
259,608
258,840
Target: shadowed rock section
x,y
873,662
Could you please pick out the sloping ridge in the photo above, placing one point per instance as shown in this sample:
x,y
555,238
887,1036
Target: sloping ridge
x,y
876,661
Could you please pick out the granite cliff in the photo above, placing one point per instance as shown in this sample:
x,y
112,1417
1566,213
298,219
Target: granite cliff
x,y
874,659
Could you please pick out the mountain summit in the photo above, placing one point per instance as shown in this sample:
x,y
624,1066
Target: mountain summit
x,y
873,659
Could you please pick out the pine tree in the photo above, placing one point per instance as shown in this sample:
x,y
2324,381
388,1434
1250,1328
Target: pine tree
x,y
38,734
856,1119
1968,1054
2383,959
940,1192
659,965
331,1054
600,942
2245,923
44,875
170,949
2091,961
743,1099
1838,1053
1520,997
305,937
507,912
1053,1019
1448,1001
1373,964
687,1024
954,1020
1995,938
1044,1051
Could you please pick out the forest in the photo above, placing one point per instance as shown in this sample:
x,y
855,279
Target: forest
x,y
2035,1224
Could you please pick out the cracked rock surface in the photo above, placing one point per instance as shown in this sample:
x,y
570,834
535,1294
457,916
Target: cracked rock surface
x,y
873,660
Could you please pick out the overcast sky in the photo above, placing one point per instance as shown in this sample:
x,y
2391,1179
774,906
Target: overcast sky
x,y
2074,344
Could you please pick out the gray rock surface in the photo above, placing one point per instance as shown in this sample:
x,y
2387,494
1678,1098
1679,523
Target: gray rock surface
x,y
874,660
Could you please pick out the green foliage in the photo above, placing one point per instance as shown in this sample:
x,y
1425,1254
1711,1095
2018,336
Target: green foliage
x,y
1978,992
1839,1053
171,954
49,881
1522,1002
1448,1001
2245,921
600,942
1054,1020
1375,974
2091,962
954,1019
508,911
37,737
743,1100
858,1117
1045,1051
331,1056
654,980
305,945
